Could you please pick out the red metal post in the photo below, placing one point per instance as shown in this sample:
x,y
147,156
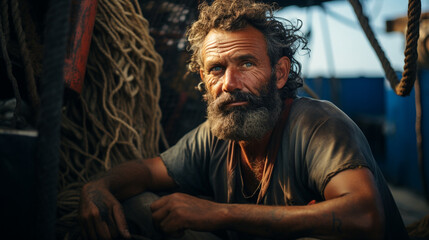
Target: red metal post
x,y
82,21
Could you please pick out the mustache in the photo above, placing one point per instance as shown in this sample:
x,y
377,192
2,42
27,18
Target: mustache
x,y
225,98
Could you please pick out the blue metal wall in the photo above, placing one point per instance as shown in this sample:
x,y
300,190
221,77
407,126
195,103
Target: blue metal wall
x,y
386,119
355,96
401,148
401,152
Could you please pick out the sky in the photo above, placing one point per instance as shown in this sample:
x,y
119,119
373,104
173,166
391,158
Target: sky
x,y
345,51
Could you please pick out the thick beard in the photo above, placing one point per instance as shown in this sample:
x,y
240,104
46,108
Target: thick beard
x,y
244,123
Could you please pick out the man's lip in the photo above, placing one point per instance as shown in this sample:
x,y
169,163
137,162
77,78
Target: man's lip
x,y
234,104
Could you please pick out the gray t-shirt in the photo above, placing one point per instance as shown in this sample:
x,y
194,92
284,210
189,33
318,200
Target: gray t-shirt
x,y
318,142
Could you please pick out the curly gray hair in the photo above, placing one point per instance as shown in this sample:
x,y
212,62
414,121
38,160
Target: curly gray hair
x,y
283,38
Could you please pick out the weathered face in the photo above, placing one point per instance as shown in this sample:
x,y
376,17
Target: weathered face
x,y
235,61
243,100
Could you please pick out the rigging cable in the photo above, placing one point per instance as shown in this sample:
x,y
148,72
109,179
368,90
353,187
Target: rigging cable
x,y
305,87
419,135
409,76
335,88
404,86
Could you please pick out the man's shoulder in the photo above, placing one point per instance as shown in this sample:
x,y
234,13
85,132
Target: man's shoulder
x,y
201,131
309,116
305,108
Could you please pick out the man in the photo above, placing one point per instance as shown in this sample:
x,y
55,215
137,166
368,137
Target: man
x,y
272,165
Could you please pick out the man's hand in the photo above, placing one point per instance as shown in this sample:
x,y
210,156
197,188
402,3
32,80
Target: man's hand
x,y
101,214
177,212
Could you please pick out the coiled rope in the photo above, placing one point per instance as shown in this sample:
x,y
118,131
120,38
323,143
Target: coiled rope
x,y
30,53
4,38
404,86
28,64
117,117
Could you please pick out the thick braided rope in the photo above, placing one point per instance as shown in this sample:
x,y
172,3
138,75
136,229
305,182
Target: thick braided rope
x,y
410,68
6,58
5,19
405,85
28,65
117,117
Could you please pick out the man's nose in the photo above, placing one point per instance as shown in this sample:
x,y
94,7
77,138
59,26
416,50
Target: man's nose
x,y
232,80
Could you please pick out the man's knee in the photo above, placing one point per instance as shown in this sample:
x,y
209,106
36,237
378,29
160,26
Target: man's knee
x,y
139,216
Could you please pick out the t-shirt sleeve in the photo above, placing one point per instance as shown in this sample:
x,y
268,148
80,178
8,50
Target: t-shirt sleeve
x,y
187,161
336,144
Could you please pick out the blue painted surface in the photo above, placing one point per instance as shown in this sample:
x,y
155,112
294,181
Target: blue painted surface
x,y
402,165
355,96
401,152
387,120
363,96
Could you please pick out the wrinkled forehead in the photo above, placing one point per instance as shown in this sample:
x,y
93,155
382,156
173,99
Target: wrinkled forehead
x,y
219,42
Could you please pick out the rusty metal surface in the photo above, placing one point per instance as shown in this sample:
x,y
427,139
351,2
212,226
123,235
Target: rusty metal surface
x,y
81,24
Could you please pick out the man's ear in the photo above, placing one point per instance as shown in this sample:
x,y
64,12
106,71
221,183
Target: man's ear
x,y
282,71
202,74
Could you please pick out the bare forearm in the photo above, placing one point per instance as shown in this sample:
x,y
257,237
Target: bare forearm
x,y
133,177
333,219
126,179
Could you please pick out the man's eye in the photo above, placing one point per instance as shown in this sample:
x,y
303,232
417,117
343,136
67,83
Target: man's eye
x,y
248,64
216,69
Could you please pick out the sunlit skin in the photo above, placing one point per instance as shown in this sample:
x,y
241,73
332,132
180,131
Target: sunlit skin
x,y
236,60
